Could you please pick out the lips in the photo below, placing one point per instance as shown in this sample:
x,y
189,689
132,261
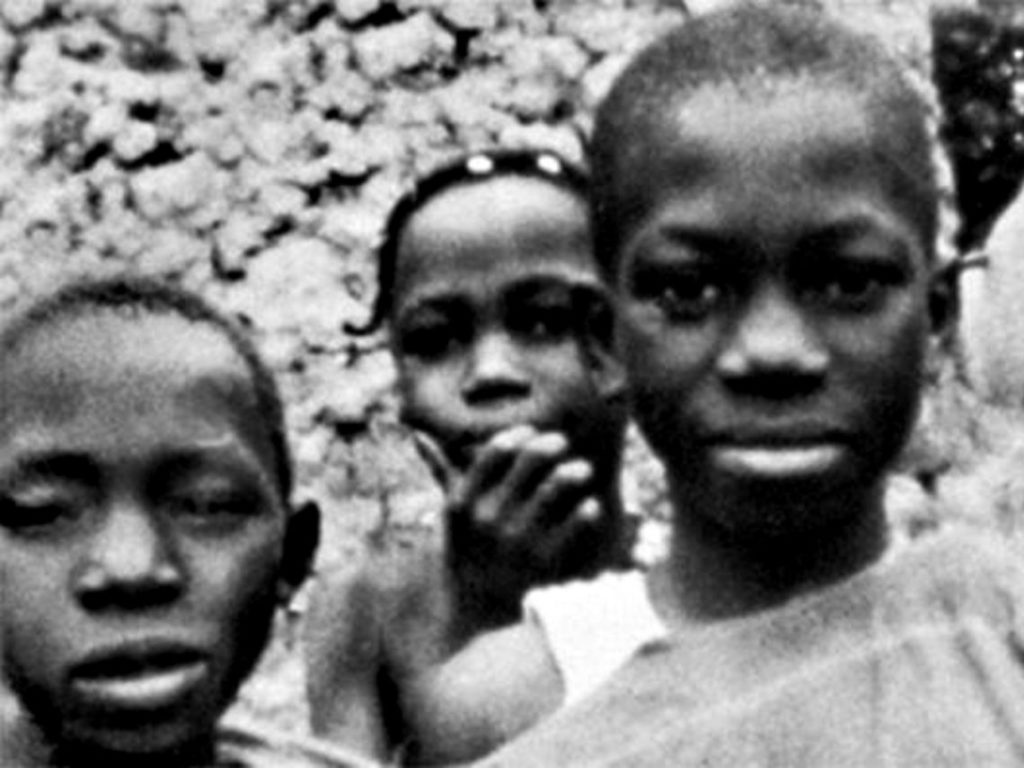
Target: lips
x,y
779,456
146,675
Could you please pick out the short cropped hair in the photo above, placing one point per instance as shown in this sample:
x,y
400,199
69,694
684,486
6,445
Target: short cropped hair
x,y
750,47
134,296
470,169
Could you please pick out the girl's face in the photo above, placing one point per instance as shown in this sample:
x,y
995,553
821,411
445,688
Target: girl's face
x,y
488,328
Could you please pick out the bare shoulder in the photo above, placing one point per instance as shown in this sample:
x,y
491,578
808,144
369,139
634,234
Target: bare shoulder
x,y
355,612
512,663
501,683
363,613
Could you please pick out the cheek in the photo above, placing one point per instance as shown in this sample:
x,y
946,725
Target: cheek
x,y
660,357
233,580
887,359
429,398
897,375
37,619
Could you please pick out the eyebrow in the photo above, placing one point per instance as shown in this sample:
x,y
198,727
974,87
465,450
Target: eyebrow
x,y
850,225
533,285
439,301
862,226
80,466
193,461
706,242
53,465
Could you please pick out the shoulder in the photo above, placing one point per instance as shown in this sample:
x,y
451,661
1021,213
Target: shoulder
x,y
501,683
961,554
959,572
246,744
376,589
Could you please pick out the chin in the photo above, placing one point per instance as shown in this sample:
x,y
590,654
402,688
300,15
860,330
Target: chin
x,y
810,513
158,743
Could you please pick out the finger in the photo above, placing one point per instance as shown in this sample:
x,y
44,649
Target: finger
x,y
555,500
534,462
495,458
562,543
433,456
589,511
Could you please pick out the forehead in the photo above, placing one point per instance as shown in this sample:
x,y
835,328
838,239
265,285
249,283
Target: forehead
x,y
100,376
802,121
798,142
492,232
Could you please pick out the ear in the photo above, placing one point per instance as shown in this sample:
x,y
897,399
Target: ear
x,y
943,299
597,341
301,539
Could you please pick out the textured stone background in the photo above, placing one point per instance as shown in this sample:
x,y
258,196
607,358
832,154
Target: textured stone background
x,y
251,149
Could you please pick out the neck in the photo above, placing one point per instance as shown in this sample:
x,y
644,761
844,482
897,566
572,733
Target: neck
x,y
615,536
189,756
713,574
22,744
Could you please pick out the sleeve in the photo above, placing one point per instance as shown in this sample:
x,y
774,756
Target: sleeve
x,y
593,627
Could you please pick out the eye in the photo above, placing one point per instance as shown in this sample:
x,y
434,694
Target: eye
x,y
430,340
201,505
685,295
854,288
543,322
38,510
689,300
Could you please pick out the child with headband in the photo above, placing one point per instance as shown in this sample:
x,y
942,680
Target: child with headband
x,y
501,333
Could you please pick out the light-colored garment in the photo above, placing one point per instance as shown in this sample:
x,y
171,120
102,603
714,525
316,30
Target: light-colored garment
x,y
917,661
247,744
593,627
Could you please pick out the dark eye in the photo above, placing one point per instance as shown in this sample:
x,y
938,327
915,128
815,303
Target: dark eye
x,y
682,295
211,505
36,511
689,300
544,322
429,340
683,290
853,288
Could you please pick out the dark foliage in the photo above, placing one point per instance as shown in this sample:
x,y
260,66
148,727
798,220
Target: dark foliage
x,y
979,71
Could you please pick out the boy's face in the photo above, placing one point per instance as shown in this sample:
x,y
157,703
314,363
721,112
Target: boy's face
x,y
488,326
141,530
773,293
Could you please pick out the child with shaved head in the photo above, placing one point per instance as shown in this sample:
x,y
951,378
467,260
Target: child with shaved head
x,y
146,531
764,209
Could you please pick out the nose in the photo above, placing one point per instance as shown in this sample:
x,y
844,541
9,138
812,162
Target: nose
x,y
775,351
495,371
129,564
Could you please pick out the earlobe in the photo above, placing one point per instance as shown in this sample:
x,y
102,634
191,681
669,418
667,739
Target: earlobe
x,y
607,371
597,340
302,538
943,299
609,375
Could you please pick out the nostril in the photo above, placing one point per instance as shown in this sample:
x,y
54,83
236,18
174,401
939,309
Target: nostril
x,y
129,596
777,385
100,588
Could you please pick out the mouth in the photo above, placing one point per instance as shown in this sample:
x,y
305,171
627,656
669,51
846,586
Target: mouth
x,y
779,459
139,676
